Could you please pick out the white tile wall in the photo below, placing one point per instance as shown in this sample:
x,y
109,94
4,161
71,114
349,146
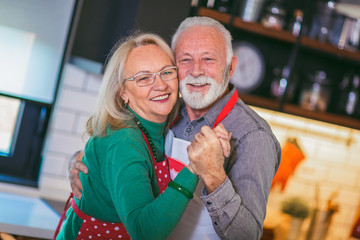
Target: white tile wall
x,y
75,103
332,152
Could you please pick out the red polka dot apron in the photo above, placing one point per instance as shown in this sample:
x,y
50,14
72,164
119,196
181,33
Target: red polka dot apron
x,y
95,229
195,223
92,228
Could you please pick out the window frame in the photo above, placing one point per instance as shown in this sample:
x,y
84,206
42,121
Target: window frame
x,y
22,166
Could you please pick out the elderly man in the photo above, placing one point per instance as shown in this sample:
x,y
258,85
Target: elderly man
x,y
236,191
230,201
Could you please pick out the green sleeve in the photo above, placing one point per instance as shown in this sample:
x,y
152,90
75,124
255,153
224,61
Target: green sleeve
x,y
130,178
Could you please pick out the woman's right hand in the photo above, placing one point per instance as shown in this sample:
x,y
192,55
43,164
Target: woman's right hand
x,y
76,166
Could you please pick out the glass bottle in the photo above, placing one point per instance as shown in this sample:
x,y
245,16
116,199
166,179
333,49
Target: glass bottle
x,y
350,94
295,24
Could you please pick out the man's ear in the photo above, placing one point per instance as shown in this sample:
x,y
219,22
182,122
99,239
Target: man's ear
x,y
233,64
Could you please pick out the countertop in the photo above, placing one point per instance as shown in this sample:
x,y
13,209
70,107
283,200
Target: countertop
x,y
27,216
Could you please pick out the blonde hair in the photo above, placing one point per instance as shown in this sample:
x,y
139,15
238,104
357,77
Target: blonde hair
x,y
110,110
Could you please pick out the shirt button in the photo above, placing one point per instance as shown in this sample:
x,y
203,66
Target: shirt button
x,y
215,223
208,203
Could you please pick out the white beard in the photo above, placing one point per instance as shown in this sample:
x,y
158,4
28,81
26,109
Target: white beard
x,y
196,100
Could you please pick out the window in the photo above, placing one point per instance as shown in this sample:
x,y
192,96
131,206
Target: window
x,y
9,112
34,42
22,137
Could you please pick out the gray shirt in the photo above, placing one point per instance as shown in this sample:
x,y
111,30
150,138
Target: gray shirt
x,y
238,207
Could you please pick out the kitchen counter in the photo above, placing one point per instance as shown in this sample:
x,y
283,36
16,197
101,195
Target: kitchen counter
x,y
27,216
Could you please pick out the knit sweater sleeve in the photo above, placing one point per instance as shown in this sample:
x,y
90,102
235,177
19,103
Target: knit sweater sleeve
x,y
131,182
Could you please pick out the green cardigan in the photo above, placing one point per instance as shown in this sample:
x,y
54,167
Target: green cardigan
x,y
121,185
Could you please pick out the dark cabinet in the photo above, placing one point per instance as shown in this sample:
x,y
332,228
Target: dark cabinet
x,y
103,23
306,55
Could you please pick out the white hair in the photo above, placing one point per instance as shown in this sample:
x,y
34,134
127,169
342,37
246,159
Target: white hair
x,y
204,21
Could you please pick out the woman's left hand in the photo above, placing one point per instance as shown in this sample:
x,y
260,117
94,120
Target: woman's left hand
x,y
224,137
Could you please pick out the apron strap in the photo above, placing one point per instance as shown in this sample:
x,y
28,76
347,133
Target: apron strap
x,y
224,112
160,167
100,226
175,120
148,145
228,107
63,216
77,211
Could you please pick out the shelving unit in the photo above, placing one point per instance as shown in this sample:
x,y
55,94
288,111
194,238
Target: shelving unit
x,y
305,42
281,35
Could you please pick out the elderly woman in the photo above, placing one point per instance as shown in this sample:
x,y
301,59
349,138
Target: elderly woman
x,y
125,191
128,190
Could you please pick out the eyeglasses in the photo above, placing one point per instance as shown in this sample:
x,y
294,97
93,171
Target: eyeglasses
x,y
145,79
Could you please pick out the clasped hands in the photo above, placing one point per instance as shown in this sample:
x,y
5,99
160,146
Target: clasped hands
x,y
206,156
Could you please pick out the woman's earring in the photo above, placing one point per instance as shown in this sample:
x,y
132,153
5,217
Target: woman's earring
x,y
124,98
125,102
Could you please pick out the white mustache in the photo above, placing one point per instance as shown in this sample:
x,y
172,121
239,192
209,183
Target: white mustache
x,y
202,80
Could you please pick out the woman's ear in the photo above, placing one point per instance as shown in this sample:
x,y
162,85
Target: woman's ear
x,y
124,96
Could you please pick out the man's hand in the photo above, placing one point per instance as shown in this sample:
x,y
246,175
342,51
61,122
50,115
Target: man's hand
x,y
75,166
207,157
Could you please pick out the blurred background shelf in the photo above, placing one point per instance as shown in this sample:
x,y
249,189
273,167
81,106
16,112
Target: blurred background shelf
x,y
281,35
313,54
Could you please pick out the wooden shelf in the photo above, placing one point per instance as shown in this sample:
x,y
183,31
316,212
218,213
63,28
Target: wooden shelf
x,y
298,111
224,18
281,35
260,101
261,30
324,117
329,48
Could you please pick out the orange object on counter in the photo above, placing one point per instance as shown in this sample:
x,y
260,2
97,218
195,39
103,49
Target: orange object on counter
x,y
356,226
291,156
356,229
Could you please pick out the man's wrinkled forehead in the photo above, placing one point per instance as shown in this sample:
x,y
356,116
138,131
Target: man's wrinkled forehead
x,y
200,36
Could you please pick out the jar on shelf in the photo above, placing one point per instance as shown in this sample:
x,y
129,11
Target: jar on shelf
x,y
250,10
316,92
323,21
274,16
